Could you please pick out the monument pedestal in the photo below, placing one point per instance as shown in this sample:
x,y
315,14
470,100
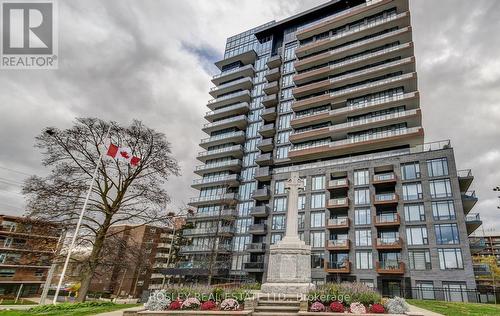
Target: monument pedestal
x,y
289,268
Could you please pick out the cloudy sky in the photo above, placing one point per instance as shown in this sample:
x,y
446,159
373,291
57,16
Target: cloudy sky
x,y
153,60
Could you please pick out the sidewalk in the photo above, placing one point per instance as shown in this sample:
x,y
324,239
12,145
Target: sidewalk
x,y
120,311
421,311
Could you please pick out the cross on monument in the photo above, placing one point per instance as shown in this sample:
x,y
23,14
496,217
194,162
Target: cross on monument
x,y
293,185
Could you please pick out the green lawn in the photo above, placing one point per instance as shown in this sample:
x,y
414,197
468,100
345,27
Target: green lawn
x,y
21,301
74,312
456,309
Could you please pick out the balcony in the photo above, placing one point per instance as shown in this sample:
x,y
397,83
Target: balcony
x,y
239,122
353,33
163,245
194,268
390,267
387,220
232,137
273,75
245,71
328,69
274,61
264,159
235,151
228,198
256,247
386,199
260,211
338,223
267,130
338,184
226,214
254,266
338,245
231,86
222,230
338,203
257,229
384,178
265,145
269,114
472,222
236,97
469,199
477,244
340,115
261,194
235,109
231,180
402,35
244,58
338,267
408,81
263,174
405,65
271,88
231,165
270,100
465,179
388,243
221,248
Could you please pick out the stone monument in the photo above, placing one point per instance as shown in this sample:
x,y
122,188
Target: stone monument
x,y
289,268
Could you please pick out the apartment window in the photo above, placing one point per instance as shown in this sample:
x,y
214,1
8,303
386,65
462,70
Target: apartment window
x,y
368,282
288,67
364,260
317,219
440,188
7,273
283,137
287,80
443,210
318,183
282,152
414,212
363,237
417,235
278,222
450,258
318,200
361,177
280,204
285,106
301,221
362,196
318,239
284,121
412,191
437,167
362,216
425,290
410,171
279,187
276,237
419,259
302,202
447,234
317,260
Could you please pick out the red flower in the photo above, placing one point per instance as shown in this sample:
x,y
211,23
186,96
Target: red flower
x,y
337,307
377,309
208,305
175,305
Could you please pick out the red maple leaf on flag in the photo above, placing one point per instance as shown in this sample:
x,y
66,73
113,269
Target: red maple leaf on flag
x,y
124,154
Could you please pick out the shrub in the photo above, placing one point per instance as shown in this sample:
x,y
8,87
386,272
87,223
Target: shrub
x,y
377,308
317,307
218,294
191,303
157,301
337,307
238,294
229,304
397,305
208,305
357,308
347,293
175,305
68,306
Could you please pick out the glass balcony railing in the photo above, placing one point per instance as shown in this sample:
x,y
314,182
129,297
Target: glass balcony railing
x,y
340,221
467,173
201,199
231,83
383,197
225,121
228,96
226,109
209,230
220,150
216,179
231,162
373,136
473,218
222,136
387,218
227,72
384,177
311,25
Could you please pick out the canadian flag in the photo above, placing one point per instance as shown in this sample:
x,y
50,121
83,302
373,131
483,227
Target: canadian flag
x,y
123,153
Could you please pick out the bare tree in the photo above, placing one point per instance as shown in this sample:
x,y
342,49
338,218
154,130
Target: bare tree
x,y
121,194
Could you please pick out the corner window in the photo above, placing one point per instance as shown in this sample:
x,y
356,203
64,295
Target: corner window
x,y
447,234
410,171
437,167
440,188
443,210
450,258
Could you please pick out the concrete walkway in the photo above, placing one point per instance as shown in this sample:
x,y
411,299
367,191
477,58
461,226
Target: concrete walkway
x,y
421,311
120,311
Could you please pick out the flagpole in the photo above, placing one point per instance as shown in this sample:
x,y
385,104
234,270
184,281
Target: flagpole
x,y
73,239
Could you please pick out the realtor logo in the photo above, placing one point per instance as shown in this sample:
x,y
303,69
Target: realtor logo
x,y
29,39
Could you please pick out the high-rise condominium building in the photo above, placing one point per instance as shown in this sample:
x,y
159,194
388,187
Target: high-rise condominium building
x,y
331,93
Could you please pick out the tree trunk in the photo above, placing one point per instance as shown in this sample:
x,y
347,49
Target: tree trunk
x,y
93,260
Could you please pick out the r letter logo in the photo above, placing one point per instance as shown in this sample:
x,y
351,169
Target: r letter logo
x,y
29,38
